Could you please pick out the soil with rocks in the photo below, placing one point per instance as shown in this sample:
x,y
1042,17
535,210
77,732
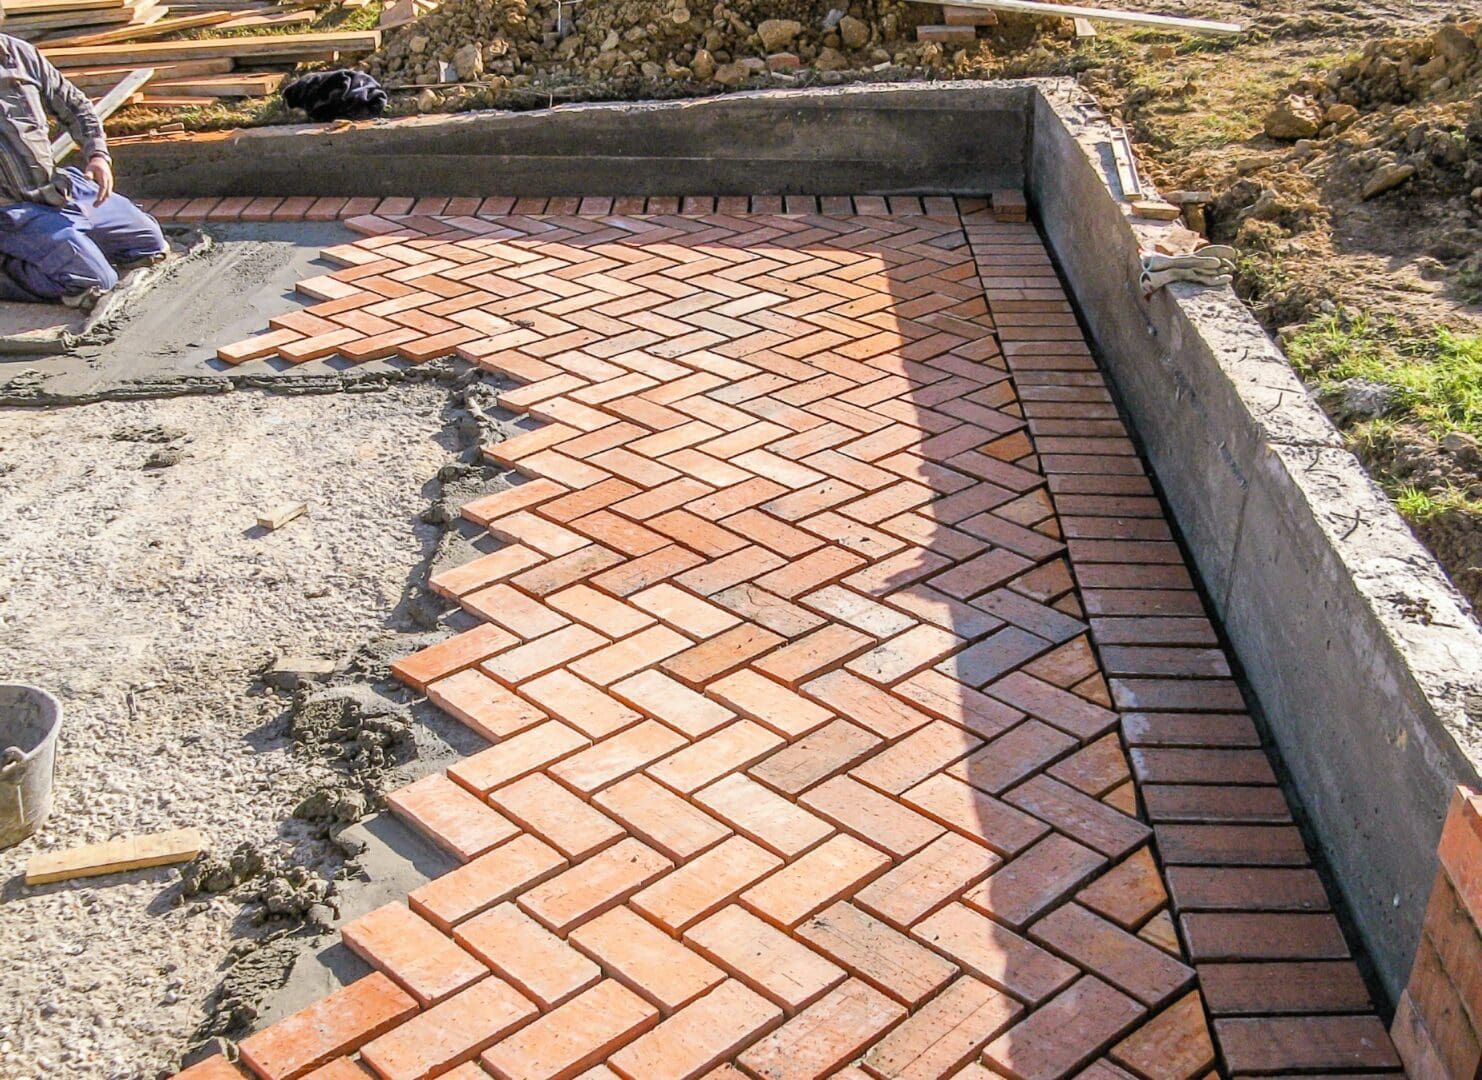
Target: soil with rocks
x,y
135,586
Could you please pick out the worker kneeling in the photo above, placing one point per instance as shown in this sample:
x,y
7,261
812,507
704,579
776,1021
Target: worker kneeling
x,y
62,230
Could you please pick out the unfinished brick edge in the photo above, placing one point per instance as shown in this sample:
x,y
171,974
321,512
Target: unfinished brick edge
x,y
1438,1022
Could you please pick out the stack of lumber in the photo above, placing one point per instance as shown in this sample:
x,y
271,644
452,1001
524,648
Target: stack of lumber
x,y
97,43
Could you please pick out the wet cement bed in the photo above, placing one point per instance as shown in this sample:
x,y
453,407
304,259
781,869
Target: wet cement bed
x,y
159,336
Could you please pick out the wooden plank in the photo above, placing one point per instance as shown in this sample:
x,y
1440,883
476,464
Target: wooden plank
x,y
241,84
67,20
286,18
22,8
110,104
111,856
132,33
286,45
103,78
1084,29
1071,11
1126,169
281,515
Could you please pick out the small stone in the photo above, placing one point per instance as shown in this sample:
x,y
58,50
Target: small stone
x,y
703,65
427,101
468,62
418,44
732,74
855,33
783,62
1340,114
1295,117
1453,44
1387,177
831,60
778,34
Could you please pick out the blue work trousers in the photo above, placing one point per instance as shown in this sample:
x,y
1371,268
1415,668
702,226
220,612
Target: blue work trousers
x,y
48,252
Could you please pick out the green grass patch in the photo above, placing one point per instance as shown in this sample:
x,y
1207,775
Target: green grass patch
x,y
1419,506
1437,377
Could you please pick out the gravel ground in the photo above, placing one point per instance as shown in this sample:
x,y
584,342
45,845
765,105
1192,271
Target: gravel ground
x,y
135,586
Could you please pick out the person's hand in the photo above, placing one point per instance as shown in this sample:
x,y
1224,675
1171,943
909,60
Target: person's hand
x,y
100,172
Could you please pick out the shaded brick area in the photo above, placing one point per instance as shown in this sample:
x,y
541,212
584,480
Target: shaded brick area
x,y
851,709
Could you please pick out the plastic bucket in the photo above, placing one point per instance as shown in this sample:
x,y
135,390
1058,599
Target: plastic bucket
x,y
30,720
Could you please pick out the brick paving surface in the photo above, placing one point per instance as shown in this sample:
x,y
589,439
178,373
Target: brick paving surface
x,y
851,709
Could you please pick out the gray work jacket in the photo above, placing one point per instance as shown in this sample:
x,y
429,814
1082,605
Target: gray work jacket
x,y
30,88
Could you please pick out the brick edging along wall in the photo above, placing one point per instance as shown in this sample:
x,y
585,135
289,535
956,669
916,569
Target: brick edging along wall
x,y
1438,1022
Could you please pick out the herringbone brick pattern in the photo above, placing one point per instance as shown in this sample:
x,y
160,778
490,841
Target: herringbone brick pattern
x,y
852,712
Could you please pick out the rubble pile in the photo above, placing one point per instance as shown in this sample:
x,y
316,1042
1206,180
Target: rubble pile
x,y
657,48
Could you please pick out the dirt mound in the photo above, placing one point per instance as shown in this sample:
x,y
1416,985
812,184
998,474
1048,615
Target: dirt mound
x,y
664,48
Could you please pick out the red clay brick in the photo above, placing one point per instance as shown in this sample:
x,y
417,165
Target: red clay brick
x,y
1127,893
878,710
1324,986
450,816
617,756
1263,936
541,965
1176,1042
402,945
770,962
994,953
591,711
1018,753
934,876
646,960
660,818
691,1042
487,880
881,956
760,699
944,1034
517,756
455,654
592,887
763,816
815,757
483,704
1306,1043
1054,1040
705,884
824,1036
964,809
915,757
573,1037
339,1023
672,702
450,1033
835,869
1123,960
886,822
553,813
1092,823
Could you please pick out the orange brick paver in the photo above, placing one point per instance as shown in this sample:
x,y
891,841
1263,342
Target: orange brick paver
x,y
851,710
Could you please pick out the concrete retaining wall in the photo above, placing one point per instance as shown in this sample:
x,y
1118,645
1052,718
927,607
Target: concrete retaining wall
x,y
860,140
1363,660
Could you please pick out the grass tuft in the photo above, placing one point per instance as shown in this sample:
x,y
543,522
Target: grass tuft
x,y
1437,377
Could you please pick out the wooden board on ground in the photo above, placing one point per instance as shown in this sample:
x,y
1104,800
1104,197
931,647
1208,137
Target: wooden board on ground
x,y
131,33
33,25
280,516
288,46
1084,29
240,84
104,78
111,856
286,18
1071,11
15,9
